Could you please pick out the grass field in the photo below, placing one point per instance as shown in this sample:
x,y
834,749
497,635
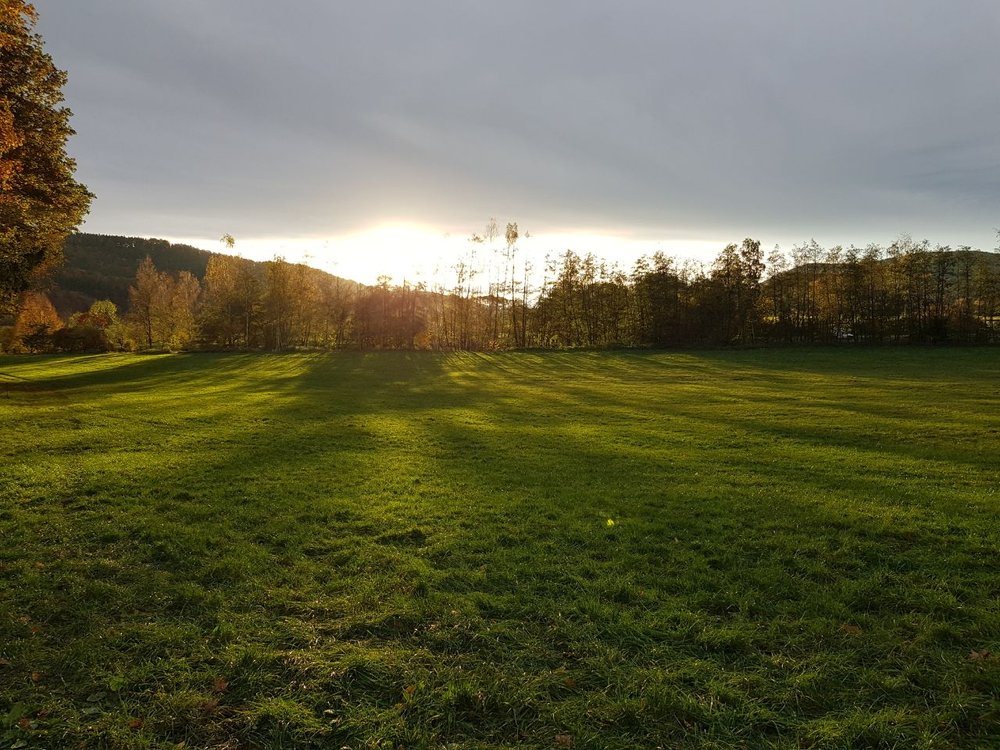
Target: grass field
x,y
788,549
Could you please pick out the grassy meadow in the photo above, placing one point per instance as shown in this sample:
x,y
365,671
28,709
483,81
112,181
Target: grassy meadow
x,y
761,549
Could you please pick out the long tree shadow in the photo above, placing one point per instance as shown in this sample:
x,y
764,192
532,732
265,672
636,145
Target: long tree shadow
x,y
347,503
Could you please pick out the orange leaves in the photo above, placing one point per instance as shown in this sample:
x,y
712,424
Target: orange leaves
x,y
17,13
10,139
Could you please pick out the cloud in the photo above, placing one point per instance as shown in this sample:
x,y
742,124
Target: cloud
x,y
775,118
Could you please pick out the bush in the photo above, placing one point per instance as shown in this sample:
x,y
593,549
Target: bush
x,y
38,339
78,339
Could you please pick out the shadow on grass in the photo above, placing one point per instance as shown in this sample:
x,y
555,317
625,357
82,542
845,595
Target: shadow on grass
x,y
411,519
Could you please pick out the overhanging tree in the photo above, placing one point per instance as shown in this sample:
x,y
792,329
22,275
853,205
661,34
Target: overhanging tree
x,y
40,201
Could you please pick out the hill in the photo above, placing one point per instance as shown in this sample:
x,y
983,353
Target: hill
x,y
100,266
951,262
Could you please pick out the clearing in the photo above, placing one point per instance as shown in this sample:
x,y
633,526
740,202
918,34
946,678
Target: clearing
x,y
784,549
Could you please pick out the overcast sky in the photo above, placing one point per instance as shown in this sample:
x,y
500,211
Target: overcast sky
x,y
847,121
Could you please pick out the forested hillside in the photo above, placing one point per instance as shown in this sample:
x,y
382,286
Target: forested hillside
x,y
100,267
179,297
103,266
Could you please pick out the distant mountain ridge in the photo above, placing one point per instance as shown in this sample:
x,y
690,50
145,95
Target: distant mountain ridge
x,y
103,266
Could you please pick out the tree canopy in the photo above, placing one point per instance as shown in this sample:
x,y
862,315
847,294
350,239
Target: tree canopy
x,y
40,201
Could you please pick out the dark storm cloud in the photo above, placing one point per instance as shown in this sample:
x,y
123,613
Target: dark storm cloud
x,y
787,119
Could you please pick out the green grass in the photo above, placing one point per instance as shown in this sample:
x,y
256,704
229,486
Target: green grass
x,y
413,550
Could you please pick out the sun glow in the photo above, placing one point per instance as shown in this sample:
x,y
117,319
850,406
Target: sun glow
x,y
415,254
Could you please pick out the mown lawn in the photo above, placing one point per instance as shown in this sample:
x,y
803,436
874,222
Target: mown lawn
x,y
788,549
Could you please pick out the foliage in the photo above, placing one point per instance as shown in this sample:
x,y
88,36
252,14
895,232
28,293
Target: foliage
x,y
231,304
40,201
908,292
162,307
413,549
103,267
97,330
80,338
36,321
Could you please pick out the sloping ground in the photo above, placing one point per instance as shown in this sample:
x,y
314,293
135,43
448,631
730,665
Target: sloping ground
x,y
103,267
744,549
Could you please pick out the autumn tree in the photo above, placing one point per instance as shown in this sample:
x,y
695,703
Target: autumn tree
x,y
388,317
656,315
147,300
99,329
736,276
279,303
181,318
462,313
987,280
511,236
40,201
104,315
36,321
336,304
559,311
162,307
223,319
778,306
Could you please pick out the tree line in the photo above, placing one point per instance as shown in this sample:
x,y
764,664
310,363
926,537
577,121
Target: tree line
x,y
907,292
